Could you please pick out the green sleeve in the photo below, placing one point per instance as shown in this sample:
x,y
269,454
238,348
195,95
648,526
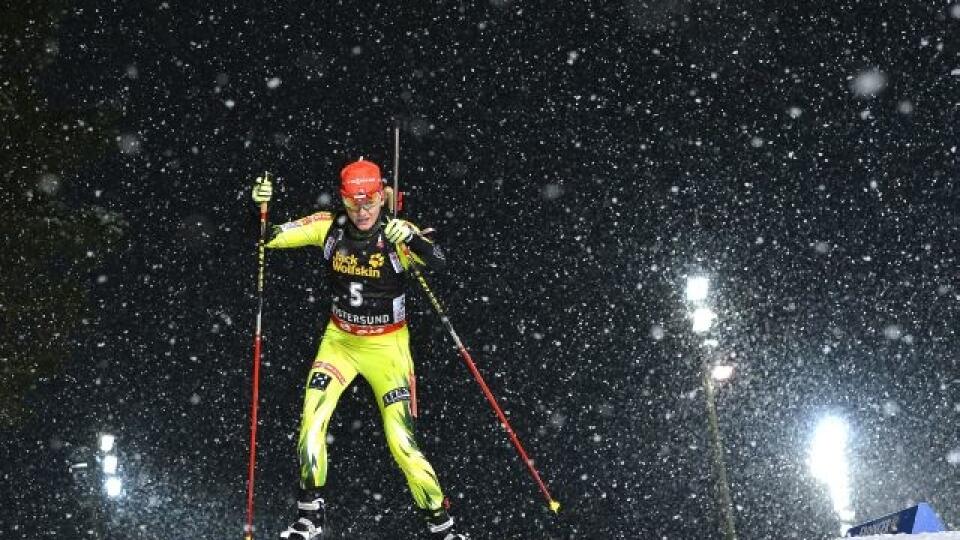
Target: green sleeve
x,y
307,231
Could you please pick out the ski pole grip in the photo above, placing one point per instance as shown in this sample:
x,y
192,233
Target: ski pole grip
x,y
267,177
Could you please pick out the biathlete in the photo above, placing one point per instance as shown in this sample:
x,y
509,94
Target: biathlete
x,y
366,257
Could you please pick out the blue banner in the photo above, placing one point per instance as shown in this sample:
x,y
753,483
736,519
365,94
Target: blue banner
x,y
916,519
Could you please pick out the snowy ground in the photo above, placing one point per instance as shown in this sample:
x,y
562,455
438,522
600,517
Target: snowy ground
x,y
922,536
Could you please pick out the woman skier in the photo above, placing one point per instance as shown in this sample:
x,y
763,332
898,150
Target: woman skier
x,y
365,256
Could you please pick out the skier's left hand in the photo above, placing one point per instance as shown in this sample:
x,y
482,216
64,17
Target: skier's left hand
x,y
262,189
398,230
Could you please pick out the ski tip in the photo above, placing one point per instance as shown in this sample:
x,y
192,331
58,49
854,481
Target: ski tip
x,y
555,506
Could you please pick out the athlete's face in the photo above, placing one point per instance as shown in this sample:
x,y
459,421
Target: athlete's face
x,y
365,214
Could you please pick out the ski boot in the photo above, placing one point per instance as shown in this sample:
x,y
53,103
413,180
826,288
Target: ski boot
x,y
440,525
311,514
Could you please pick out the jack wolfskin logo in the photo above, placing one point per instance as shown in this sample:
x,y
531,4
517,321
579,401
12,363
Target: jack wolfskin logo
x,y
396,395
376,260
350,265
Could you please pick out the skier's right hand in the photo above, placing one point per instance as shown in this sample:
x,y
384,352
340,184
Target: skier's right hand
x,y
262,189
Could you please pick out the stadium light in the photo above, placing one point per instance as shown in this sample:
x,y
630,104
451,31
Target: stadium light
x,y
702,319
697,288
113,485
106,442
828,463
110,464
721,372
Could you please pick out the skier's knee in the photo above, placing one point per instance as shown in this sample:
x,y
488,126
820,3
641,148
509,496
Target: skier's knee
x,y
403,446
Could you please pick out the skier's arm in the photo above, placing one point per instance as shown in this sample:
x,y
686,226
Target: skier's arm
x,y
306,231
425,252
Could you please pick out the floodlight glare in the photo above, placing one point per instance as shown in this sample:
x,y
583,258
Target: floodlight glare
x,y
106,442
721,372
827,450
113,486
110,464
828,463
702,319
697,288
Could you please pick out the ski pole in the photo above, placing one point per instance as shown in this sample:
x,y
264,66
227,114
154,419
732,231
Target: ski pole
x,y
551,502
255,398
438,308
396,170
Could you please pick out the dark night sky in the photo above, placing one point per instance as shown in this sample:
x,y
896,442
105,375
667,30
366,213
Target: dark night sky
x,y
579,160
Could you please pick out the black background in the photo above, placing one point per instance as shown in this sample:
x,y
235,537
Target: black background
x,y
579,160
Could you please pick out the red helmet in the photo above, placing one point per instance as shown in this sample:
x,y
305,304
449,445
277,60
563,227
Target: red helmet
x,y
360,180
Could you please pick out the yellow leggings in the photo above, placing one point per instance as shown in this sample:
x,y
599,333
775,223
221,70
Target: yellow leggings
x,y
385,362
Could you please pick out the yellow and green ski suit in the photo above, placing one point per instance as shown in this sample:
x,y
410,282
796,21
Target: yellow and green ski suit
x,y
366,335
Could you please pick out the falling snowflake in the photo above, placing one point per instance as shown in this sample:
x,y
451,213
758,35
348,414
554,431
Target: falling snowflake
x,y
868,83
